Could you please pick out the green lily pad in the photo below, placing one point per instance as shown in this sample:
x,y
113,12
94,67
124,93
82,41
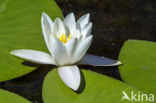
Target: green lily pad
x,y
139,65
8,97
20,28
98,89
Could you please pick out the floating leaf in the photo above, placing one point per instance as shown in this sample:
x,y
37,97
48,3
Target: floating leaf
x,y
139,68
98,89
20,28
8,97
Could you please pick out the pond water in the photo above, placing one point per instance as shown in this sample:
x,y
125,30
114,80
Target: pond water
x,y
114,22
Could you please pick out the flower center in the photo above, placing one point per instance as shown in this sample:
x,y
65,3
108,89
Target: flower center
x,y
63,38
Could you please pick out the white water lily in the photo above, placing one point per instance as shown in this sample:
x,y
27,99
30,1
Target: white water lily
x,y
67,42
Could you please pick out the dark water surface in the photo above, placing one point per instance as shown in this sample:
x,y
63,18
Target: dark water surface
x,y
114,22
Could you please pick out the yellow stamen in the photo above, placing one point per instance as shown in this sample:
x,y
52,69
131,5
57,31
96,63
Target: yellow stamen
x,y
69,37
63,38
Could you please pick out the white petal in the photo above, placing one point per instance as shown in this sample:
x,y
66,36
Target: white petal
x,y
70,22
58,51
82,48
83,21
70,75
71,46
34,56
67,31
58,27
89,59
47,25
86,31
76,33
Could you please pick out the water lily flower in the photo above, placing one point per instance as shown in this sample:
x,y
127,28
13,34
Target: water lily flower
x,y
67,42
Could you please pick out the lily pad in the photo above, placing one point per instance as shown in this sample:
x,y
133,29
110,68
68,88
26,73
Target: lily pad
x,y
98,89
139,65
8,97
20,28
